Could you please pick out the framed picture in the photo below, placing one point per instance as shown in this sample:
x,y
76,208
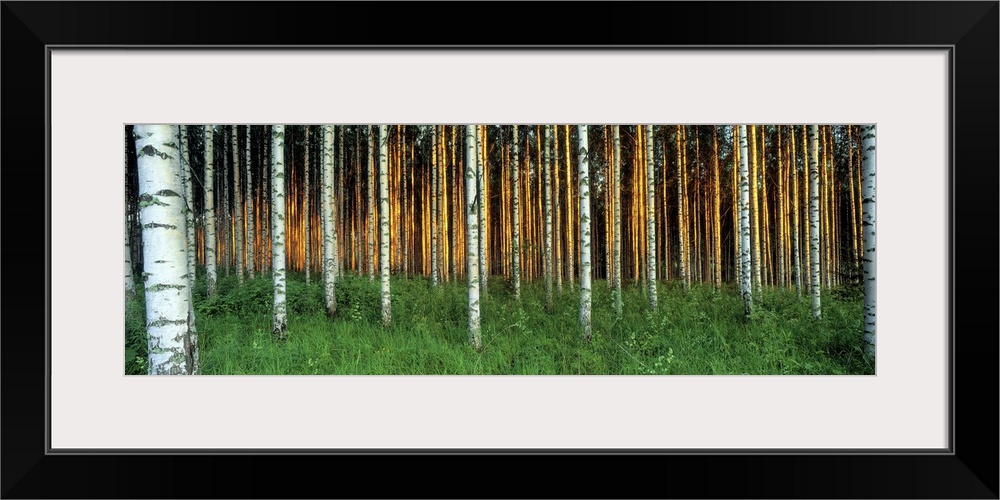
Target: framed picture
x,y
924,73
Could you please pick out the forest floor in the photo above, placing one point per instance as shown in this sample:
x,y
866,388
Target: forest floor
x,y
694,332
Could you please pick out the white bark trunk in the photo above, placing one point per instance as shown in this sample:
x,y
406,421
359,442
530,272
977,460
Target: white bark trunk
x,y
164,237
516,247
650,218
585,265
188,201
371,202
237,206
472,226
190,245
681,215
336,209
814,218
868,226
305,209
278,256
384,223
211,277
436,192
744,209
329,222
251,229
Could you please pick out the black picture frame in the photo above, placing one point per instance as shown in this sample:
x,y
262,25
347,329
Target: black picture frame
x,y
969,29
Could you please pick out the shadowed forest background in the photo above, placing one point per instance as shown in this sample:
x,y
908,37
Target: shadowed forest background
x,y
499,249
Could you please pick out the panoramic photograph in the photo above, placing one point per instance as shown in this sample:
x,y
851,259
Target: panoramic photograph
x,y
513,249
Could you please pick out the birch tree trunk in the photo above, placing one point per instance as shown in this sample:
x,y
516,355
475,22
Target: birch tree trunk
x,y
868,228
681,216
516,248
164,241
472,226
547,264
585,265
435,194
237,206
305,207
211,277
650,219
185,153
383,178
745,287
814,218
329,224
278,254
336,207
617,280
187,181
251,229
129,279
571,249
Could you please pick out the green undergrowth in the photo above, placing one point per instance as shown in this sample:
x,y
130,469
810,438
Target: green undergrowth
x,y
694,332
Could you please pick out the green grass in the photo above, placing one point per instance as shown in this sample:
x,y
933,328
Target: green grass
x,y
701,331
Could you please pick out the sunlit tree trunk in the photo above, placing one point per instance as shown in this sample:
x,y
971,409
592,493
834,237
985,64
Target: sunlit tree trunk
x,y
210,265
617,282
547,176
681,215
716,216
868,228
516,250
814,218
745,265
585,265
383,180
754,211
556,234
472,241
650,219
329,224
780,213
164,240
482,205
278,251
